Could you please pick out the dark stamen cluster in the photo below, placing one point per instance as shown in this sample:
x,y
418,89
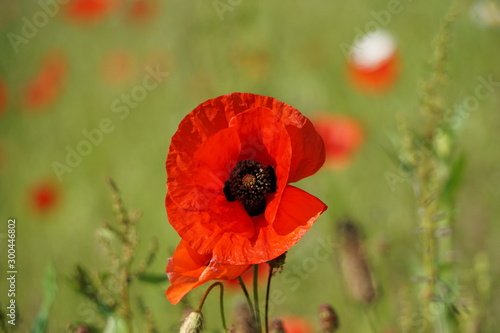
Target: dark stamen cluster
x,y
249,182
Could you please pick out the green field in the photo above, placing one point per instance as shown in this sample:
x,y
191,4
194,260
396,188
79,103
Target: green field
x,y
290,50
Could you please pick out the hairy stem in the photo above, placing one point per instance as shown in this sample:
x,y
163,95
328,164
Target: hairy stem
x,y
221,301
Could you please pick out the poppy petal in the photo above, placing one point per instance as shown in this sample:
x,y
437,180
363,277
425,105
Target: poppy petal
x,y
187,270
213,115
297,212
265,139
308,151
343,136
196,179
307,146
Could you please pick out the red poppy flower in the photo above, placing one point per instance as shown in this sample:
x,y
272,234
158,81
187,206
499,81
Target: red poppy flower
x,y
229,165
374,63
44,196
188,269
90,10
247,277
3,97
46,85
142,9
296,325
343,137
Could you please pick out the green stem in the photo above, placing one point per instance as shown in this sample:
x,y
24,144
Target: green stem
x,y
266,313
223,317
372,322
247,296
256,295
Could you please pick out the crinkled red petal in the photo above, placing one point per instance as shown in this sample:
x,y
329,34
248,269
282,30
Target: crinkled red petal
x,y
188,269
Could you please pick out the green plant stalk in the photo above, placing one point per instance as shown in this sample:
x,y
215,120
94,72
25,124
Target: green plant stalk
x,y
430,184
124,283
221,302
256,295
247,296
268,289
429,253
127,238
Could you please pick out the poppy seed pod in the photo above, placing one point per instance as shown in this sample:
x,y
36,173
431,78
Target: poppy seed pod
x,y
194,323
353,263
328,319
277,263
276,326
244,322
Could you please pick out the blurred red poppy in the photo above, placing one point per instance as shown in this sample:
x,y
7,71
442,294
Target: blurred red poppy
x,y
44,196
228,167
247,277
343,137
188,269
90,11
47,83
293,324
143,9
3,96
117,67
374,64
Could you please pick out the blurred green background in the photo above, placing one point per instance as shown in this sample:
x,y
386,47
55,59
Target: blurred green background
x,y
289,50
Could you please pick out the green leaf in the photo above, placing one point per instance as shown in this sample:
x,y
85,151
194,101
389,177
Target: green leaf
x,y
49,291
152,278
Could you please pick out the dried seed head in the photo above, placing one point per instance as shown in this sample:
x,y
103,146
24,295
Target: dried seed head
x,y
353,262
277,263
328,319
276,326
243,319
194,323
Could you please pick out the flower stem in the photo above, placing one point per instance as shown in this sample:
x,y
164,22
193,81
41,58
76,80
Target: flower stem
x,y
256,295
267,299
202,302
247,296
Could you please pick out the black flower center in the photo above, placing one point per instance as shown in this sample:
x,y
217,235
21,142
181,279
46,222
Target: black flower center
x,y
249,182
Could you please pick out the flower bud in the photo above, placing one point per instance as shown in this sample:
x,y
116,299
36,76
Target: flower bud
x,y
82,329
276,326
277,263
194,323
353,262
328,319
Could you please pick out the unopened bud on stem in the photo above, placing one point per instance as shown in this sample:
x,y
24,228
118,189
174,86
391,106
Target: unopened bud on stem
x,y
328,319
353,262
277,263
194,323
276,326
